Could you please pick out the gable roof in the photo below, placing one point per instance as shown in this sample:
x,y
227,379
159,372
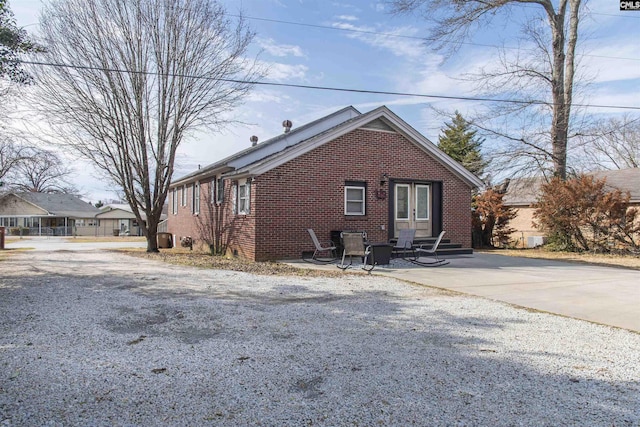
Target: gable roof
x,y
124,211
283,148
525,191
271,146
59,204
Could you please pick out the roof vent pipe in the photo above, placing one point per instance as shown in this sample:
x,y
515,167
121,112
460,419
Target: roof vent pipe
x,y
287,125
254,140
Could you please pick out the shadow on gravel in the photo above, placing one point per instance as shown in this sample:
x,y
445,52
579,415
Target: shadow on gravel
x,y
125,348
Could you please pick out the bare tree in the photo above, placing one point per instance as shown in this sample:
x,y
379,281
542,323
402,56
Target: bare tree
x,y
612,144
10,156
211,225
42,171
134,78
553,33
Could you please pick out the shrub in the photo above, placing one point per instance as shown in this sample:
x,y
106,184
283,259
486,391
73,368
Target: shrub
x,y
579,214
490,219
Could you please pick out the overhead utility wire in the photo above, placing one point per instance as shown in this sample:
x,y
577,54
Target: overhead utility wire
x,y
352,30
326,88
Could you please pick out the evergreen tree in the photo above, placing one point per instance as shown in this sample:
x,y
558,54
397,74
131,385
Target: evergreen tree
x,y
460,142
13,41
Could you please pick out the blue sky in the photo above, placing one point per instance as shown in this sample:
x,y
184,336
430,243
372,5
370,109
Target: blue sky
x,y
370,59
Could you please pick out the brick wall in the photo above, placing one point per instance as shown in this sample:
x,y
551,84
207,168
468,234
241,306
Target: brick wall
x,y
308,192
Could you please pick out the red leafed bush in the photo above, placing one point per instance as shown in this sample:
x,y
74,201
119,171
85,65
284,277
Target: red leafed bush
x,y
490,219
581,214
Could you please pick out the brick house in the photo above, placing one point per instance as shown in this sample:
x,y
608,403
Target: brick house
x,y
345,171
522,193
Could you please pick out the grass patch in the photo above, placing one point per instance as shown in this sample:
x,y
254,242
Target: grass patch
x,y
626,261
183,256
7,252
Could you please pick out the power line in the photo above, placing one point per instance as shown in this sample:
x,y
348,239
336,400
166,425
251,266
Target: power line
x,y
324,88
424,39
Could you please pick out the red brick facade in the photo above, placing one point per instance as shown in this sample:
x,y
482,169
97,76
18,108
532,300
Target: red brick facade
x,y
308,192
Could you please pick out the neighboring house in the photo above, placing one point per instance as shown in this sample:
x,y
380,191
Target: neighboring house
x,y
522,193
45,214
119,219
346,171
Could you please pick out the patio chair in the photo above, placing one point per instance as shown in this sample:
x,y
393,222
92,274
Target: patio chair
x,y
330,248
420,251
405,242
354,246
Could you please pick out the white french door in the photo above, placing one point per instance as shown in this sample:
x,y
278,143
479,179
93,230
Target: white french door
x,y
413,208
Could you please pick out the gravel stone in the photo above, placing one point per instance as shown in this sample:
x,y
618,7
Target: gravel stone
x,y
102,339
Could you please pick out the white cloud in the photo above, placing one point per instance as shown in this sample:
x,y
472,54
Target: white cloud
x,y
604,62
402,47
280,50
284,72
267,96
347,18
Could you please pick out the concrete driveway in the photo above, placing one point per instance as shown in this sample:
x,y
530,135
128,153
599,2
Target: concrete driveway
x,y
605,295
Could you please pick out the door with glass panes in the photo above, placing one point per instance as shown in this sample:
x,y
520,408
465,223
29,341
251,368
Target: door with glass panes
x,y
412,208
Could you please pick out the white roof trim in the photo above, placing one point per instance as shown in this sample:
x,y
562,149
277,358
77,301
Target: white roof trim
x,y
403,127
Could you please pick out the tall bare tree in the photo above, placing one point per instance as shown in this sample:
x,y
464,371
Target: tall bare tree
x,y
133,78
557,38
10,156
42,171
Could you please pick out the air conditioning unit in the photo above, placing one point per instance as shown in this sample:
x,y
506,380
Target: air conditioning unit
x,y
535,241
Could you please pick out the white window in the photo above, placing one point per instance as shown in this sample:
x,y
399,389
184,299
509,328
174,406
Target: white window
x,y
220,190
174,201
195,198
244,198
402,202
422,202
354,197
212,191
234,197
184,195
9,222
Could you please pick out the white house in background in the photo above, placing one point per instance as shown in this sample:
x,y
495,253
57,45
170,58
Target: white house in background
x,y
119,219
44,214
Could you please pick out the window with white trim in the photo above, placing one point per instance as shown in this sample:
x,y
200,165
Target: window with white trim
x,y
234,197
174,201
220,190
195,198
354,198
244,197
184,195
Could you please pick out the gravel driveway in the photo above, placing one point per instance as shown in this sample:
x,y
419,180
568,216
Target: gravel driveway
x,y
97,338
